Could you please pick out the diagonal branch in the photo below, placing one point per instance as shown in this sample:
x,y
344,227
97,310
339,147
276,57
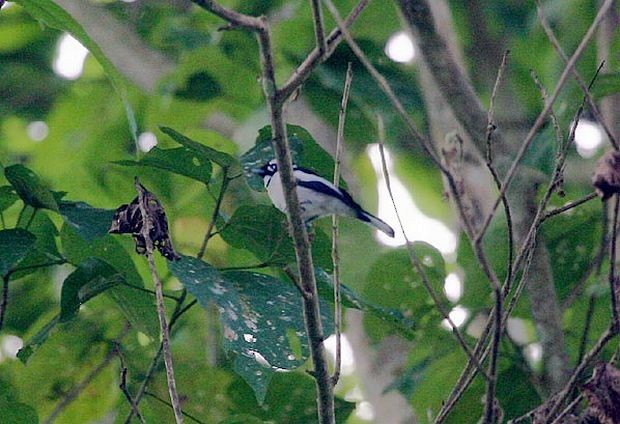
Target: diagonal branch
x,y
312,315
556,45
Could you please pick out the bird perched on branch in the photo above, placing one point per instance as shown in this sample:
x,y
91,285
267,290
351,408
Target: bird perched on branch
x,y
317,196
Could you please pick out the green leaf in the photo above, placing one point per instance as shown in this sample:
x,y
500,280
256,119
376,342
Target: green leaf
x,y
392,283
259,314
54,16
18,413
15,244
572,241
34,343
606,85
7,197
182,161
305,152
291,399
93,276
263,231
242,419
90,223
350,299
30,188
137,306
222,159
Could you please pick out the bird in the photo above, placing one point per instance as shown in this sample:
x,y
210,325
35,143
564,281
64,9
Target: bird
x,y
317,196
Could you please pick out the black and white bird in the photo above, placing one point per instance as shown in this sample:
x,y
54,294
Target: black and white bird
x,y
317,196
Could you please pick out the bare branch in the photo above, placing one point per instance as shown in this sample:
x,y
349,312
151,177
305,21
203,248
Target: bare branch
x,y
335,256
454,84
85,382
417,264
165,333
317,15
315,57
543,114
556,45
275,99
570,205
558,401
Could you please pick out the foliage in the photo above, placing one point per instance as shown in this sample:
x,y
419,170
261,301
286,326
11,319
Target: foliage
x,y
82,302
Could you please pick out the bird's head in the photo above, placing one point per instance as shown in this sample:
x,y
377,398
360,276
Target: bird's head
x,y
267,170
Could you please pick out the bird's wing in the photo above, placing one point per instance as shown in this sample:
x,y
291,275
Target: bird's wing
x,y
328,189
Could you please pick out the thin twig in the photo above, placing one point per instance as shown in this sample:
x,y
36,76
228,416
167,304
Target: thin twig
x,y
178,312
415,261
319,33
569,206
335,256
168,404
165,334
123,384
216,213
491,127
612,266
85,382
560,418
303,71
543,114
591,103
572,382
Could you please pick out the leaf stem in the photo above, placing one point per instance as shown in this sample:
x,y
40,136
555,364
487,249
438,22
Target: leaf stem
x,y
5,299
216,213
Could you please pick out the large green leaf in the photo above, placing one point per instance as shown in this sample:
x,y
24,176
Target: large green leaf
x,y
14,246
7,197
93,276
304,149
291,399
393,283
90,223
137,306
207,153
54,16
350,299
182,161
30,188
260,315
263,231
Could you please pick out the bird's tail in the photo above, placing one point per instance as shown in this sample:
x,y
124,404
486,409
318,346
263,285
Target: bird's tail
x,y
376,222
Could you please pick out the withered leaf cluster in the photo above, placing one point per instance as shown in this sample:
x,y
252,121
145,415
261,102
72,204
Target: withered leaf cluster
x,y
606,178
128,220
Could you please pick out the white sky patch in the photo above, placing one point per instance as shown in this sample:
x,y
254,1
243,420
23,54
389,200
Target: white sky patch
x,y
9,346
347,362
418,226
37,130
146,141
458,315
588,138
70,56
533,352
453,286
365,411
400,48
